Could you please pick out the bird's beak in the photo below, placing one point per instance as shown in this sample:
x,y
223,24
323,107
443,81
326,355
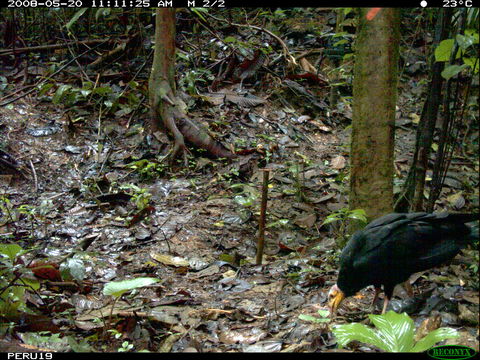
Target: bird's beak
x,y
336,297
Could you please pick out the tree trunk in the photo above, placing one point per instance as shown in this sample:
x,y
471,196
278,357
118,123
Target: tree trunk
x,y
411,198
168,110
375,96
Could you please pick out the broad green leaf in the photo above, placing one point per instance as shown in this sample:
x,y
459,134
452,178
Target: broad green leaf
x,y
44,88
330,219
62,89
394,333
229,39
473,34
473,63
452,70
12,300
464,41
307,317
243,200
323,313
32,283
359,332
358,214
10,250
118,288
75,17
281,222
397,330
102,90
73,268
313,318
444,49
340,42
434,337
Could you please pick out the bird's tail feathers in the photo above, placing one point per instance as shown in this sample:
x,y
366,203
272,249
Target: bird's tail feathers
x,y
463,218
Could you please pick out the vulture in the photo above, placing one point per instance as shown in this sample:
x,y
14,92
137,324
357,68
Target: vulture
x,y
391,248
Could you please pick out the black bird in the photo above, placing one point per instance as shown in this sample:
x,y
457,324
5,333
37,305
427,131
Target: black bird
x,y
391,248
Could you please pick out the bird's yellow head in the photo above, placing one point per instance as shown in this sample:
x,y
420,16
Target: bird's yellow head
x,y
335,298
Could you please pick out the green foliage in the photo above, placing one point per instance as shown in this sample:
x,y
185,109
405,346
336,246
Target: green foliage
x,y
467,51
246,196
188,82
75,17
279,223
199,11
343,217
148,169
126,347
394,333
346,214
45,339
323,317
118,288
140,196
109,99
73,269
452,70
15,278
6,210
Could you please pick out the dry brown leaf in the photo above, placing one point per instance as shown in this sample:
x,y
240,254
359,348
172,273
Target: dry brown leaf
x,y
338,162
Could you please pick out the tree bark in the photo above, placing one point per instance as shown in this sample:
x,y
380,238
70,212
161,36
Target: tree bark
x,y
375,96
169,111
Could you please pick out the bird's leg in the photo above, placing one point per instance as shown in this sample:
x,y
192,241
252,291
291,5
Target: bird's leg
x,y
385,303
408,288
377,291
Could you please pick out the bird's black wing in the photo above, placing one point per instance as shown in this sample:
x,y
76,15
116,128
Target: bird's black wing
x,y
412,243
393,247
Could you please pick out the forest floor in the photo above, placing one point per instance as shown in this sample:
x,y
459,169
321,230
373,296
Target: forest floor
x,y
195,228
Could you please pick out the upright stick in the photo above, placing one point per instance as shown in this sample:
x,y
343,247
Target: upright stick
x,y
263,210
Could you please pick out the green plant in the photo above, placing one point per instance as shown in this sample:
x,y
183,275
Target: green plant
x,y
118,288
15,278
29,212
126,347
467,51
6,210
147,169
190,79
107,99
246,195
343,217
297,169
140,196
474,267
323,317
394,333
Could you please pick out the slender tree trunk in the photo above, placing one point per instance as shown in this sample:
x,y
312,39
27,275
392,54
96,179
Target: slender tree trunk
x,y
412,196
375,96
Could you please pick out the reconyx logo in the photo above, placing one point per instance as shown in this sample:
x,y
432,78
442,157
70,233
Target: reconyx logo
x,y
447,352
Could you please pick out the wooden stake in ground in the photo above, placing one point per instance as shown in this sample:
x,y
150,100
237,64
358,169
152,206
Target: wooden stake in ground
x,y
263,211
